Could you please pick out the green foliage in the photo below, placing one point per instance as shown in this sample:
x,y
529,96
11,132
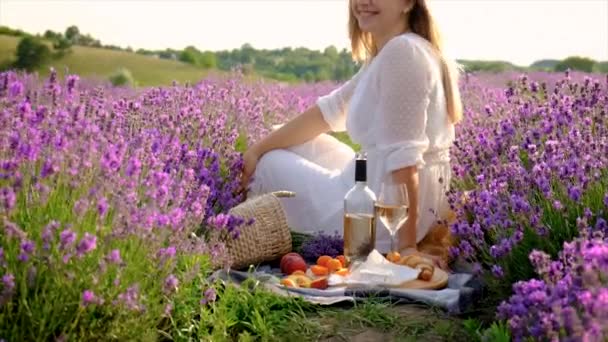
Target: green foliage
x,y
601,67
31,53
488,66
544,65
52,35
72,33
497,332
47,303
576,63
122,77
11,32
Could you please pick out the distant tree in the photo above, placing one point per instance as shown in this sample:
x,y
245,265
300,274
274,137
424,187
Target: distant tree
x,y
122,77
10,32
207,60
576,63
189,55
62,47
601,67
72,33
331,52
52,35
31,53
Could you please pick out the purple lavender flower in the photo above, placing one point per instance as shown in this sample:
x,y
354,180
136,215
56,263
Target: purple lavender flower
x,y
102,206
86,244
114,257
209,296
171,283
322,244
7,198
67,238
497,271
27,248
8,281
88,297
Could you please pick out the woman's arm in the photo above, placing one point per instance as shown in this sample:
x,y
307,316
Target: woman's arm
x,y
298,130
405,81
409,177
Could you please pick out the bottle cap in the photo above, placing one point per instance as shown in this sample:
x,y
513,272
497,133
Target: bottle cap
x,y
360,168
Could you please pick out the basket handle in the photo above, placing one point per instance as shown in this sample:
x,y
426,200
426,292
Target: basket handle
x,y
283,193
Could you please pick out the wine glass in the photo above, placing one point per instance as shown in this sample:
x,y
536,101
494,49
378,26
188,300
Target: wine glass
x,y
391,207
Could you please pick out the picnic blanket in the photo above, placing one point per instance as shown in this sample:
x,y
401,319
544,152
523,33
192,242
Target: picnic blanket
x,y
459,295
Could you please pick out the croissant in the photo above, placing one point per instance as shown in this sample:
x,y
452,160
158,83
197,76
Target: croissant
x,y
425,265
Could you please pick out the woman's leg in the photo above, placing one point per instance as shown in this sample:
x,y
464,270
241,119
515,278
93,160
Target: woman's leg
x,y
317,205
325,151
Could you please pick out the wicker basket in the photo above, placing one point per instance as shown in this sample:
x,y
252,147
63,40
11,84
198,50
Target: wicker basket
x,y
268,238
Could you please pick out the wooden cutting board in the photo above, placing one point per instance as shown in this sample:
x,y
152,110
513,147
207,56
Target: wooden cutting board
x,y
437,282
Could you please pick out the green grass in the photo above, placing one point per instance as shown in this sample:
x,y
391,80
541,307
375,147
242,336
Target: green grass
x,y
251,313
99,63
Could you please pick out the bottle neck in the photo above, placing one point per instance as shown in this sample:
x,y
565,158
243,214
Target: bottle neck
x,y
361,171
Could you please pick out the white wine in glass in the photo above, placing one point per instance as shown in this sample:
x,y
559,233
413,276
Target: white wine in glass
x,y
391,208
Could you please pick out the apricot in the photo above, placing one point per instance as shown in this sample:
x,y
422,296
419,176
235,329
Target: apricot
x,y
319,270
334,265
342,259
323,260
393,257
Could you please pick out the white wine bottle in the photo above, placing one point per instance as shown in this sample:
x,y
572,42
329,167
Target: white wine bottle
x,y
359,216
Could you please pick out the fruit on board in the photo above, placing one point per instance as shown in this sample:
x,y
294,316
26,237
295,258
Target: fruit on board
x,y
320,283
319,270
301,280
323,259
343,272
291,263
393,257
342,259
287,257
288,282
334,265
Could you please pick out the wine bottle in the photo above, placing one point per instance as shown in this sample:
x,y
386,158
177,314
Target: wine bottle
x,y
359,216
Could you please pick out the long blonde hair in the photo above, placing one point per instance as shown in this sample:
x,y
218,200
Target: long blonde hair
x,y
421,22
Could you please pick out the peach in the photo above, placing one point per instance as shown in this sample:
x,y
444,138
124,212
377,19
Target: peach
x,y
291,263
287,257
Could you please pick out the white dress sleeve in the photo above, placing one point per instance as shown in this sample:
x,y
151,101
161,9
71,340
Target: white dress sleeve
x,y
334,105
404,78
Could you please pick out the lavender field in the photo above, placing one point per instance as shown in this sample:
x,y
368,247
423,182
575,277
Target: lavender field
x,y
113,205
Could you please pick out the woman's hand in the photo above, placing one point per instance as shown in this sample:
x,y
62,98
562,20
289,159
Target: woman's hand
x,y
250,161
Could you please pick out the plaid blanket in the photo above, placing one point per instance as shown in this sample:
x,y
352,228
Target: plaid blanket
x,y
459,295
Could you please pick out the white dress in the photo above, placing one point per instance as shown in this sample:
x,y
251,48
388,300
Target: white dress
x,y
395,108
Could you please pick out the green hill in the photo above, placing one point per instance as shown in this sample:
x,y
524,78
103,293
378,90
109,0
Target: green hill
x,y
101,63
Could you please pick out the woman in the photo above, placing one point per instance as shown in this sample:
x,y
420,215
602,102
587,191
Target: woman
x,y
401,107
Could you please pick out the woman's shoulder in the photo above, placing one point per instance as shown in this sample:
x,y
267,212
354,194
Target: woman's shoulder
x,y
409,45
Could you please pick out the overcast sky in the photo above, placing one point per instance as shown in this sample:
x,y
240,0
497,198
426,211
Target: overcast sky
x,y
520,31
